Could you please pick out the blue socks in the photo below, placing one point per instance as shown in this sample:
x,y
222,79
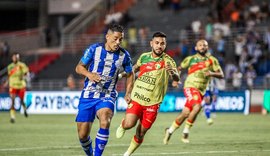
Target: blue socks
x,y
101,141
87,146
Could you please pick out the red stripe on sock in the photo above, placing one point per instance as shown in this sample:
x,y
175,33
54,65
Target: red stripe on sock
x,y
137,140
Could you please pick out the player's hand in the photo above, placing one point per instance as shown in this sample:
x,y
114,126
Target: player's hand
x,y
208,73
176,84
169,68
127,98
94,77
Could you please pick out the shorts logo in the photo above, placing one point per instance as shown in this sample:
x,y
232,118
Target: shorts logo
x,y
150,110
195,97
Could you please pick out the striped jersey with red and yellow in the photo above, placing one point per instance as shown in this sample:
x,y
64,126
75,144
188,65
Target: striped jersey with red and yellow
x,y
151,85
16,74
197,65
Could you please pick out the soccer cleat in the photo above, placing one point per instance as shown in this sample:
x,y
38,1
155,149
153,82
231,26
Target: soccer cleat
x,y
185,138
126,154
167,136
120,132
12,120
210,121
25,114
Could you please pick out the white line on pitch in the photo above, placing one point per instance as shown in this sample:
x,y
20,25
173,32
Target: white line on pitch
x,y
199,152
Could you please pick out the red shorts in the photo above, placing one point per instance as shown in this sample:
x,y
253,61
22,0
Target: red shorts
x,y
19,92
193,96
147,114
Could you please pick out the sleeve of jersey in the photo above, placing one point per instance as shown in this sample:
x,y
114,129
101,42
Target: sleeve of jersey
x,y
172,62
88,55
127,64
216,65
25,68
185,62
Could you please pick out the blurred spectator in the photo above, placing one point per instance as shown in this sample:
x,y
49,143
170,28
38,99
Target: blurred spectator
x,y
239,44
196,28
113,17
143,33
250,76
230,68
209,30
264,10
237,79
48,35
243,60
221,46
175,5
184,49
6,48
132,38
70,83
162,4
266,40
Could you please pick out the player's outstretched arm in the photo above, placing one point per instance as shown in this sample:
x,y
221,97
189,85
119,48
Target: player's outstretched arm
x,y
217,74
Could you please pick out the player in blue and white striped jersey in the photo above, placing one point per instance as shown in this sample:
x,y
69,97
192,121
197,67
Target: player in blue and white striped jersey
x,y
210,100
100,65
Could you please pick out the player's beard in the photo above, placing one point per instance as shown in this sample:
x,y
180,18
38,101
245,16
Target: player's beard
x,y
156,53
202,53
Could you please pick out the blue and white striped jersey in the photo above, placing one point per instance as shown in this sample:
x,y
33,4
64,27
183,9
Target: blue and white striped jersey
x,y
108,65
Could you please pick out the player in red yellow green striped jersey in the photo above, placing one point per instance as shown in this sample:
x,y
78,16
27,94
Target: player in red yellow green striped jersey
x,y
201,67
155,68
17,85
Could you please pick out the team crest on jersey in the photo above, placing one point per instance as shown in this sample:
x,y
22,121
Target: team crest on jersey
x,y
157,66
130,105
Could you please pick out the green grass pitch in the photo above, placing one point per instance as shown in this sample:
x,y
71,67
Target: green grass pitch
x,y
56,135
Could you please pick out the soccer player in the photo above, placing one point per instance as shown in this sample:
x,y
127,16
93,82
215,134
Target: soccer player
x,y
201,67
155,68
100,65
210,100
17,71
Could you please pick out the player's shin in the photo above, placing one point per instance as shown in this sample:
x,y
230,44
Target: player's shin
x,y
134,144
12,115
87,146
175,125
101,141
168,131
186,130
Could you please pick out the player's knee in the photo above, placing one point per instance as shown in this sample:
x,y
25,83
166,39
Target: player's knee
x,y
105,123
128,125
83,135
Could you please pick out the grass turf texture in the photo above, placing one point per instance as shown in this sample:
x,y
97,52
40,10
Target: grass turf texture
x,y
56,135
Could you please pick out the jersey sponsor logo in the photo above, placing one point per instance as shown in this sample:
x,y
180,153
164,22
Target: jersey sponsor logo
x,y
147,79
147,89
142,97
